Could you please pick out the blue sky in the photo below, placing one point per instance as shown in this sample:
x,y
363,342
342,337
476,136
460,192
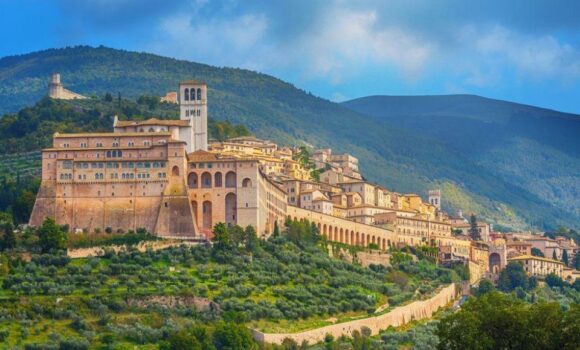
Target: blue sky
x,y
524,51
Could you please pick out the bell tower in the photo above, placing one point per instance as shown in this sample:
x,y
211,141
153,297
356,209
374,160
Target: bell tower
x,y
193,107
435,198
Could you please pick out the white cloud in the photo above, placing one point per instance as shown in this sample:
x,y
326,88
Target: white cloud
x,y
534,57
218,41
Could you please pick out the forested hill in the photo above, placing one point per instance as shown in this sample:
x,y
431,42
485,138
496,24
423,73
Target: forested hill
x,y
399,158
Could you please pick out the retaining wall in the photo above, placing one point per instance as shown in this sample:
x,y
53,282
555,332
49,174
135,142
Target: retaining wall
x,y
415,311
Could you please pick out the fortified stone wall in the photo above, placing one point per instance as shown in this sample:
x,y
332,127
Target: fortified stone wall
x,y
399,316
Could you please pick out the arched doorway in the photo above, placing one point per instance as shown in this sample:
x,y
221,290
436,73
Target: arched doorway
x,y
494,262
246,182
207,212
218,179
231,201
175,170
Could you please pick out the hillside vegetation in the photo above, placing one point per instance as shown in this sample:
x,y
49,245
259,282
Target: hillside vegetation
x,y
399,158
122,301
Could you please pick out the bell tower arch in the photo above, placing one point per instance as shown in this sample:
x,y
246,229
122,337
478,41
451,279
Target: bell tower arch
x,y
193,108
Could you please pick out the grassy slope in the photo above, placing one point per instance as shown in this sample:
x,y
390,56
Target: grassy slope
x,y
401,160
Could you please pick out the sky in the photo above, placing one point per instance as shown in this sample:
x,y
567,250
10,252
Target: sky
x,y
526,51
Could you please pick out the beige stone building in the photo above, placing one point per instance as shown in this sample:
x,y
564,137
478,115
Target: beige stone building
x,y
57,91
539,267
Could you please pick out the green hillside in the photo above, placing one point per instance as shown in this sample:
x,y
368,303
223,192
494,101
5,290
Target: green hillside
x,y
399,158
535,148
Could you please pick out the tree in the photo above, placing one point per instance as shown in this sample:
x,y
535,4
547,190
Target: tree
x,y
237,235
554,256
537,252
276,231
108,97
221,237
51,236
565,257
499,321
576,261
485,286
232,336
554,280
511,277
8,239
252,241
473,230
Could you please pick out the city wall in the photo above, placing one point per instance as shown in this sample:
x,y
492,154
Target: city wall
x,y
399,316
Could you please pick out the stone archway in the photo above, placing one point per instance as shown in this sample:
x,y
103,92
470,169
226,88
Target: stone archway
x,y
494,262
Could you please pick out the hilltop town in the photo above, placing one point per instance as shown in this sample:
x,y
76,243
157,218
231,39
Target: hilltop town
x,y
167,177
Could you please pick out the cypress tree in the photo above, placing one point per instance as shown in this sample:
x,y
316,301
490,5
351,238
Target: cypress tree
x,y
565,257
473,230
276,232
554,256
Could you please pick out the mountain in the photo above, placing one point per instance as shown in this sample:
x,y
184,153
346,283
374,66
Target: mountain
x,y
399,157
535,148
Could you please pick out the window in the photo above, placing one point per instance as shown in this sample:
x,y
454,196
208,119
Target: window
x,y
99,144
199,94
186,95
131,143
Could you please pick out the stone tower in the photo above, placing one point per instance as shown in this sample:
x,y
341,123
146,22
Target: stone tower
x,y
55,87
435,198
193,107
57,90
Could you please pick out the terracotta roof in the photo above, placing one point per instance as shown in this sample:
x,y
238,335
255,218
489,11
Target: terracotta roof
x,y
152,121
192,81
531,257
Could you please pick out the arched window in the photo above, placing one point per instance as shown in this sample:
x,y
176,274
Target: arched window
x,y
192,95
192,180
247,182
151,130
108,154
231,179
206,180
218,179
119,154
199,94
175,171
186,94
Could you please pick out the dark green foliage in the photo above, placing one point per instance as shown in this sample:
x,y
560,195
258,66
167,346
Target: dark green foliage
x,y
513,276
485,286
221,237
301,232
51,236
7,236
473,230
232,336
565,257
537,252
555,281
499,321
554,256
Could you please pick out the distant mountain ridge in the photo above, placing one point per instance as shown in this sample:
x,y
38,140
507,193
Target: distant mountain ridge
x,y
535,148
394,154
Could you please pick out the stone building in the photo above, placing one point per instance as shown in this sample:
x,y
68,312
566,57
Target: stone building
x,y
539,267
157,175
56,90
